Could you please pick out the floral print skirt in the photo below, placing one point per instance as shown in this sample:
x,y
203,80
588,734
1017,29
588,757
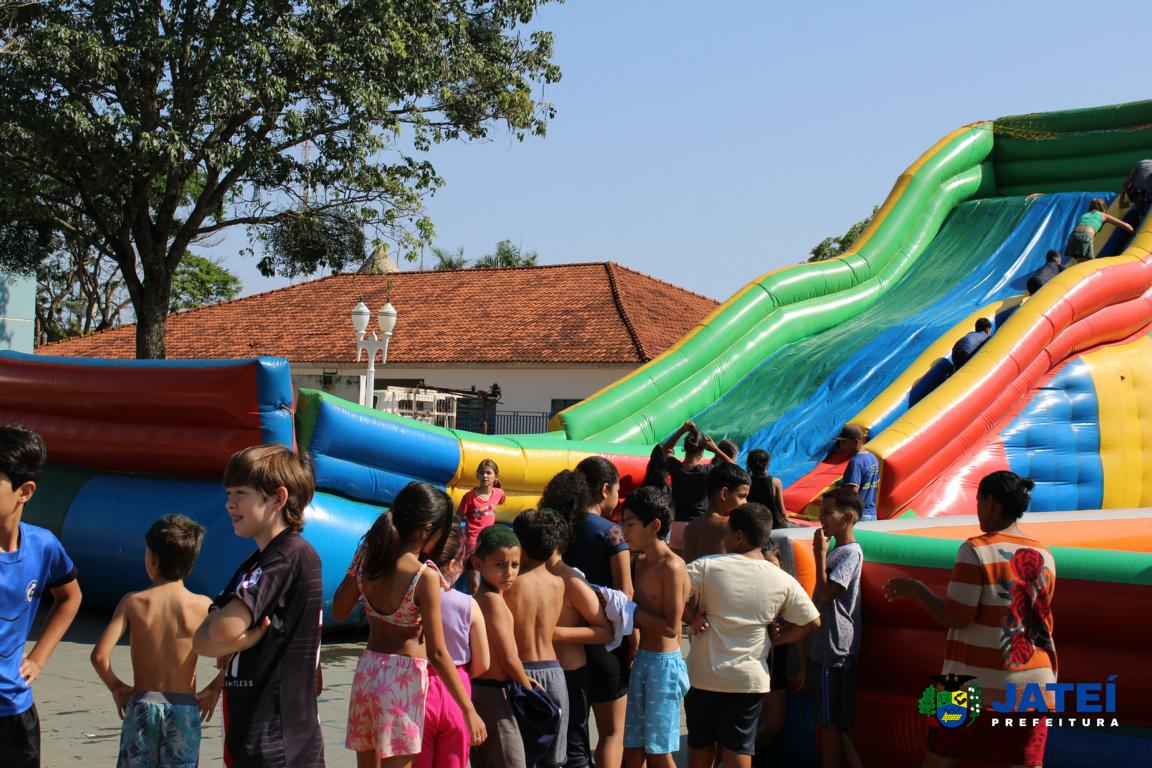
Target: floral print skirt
x,y
386,711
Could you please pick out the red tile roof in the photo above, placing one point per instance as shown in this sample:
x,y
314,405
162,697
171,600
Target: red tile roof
x,y
598,313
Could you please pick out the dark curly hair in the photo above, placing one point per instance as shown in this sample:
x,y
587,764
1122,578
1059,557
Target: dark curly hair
x,y
1012,492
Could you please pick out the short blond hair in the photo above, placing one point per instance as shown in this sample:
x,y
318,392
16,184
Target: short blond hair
x,y
268,467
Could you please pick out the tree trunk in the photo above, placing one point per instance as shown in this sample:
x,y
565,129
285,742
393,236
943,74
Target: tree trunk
x,y
151,319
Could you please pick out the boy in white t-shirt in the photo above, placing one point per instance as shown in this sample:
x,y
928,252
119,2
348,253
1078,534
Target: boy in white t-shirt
x,y
741,593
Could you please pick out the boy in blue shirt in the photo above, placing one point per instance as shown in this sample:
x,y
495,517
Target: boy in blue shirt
x,y
863,470
31,561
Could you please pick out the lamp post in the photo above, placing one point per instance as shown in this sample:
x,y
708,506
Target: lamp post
x,y
386,318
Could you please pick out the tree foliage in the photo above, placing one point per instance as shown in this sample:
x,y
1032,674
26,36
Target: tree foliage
x,y
200,281
156,125
831,247
79,291
507,254
448,260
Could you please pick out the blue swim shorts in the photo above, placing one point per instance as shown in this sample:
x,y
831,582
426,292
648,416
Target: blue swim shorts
x,y
160,729
655,691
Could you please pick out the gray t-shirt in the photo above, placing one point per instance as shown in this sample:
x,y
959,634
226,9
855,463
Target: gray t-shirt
x,y
837,641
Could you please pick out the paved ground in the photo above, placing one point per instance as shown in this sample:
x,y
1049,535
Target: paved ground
x,y
79,722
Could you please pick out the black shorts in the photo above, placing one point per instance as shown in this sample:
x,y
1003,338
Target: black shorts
x,y
727,719
607,672
833,692
20,740
778,668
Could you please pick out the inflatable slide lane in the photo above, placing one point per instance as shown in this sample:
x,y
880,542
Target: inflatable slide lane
x,y
938,431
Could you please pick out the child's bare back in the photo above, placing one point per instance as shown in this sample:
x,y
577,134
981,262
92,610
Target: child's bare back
x,y
582,621
704,536
498,623
161,621
535,599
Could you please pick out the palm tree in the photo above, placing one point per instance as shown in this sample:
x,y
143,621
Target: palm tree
x,y
447,260
506,255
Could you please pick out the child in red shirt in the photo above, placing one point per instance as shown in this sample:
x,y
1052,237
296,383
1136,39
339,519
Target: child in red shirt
x,y
478,510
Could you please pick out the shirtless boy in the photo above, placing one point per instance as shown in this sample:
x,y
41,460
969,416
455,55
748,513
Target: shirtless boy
x,y
659,676
497,560
161,710
535,599
582,622
728,488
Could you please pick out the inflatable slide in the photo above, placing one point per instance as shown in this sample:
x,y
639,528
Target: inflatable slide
x,y
1060,392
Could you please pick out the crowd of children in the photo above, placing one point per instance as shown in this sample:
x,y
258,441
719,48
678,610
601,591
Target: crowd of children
x,y
574,612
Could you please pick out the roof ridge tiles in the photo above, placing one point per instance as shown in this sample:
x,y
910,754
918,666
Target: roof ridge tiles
x,y
618,300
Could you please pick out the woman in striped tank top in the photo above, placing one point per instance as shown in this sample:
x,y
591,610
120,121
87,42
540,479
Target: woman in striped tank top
x,y
998,611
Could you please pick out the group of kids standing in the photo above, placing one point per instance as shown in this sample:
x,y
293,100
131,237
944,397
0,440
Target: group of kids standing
x,y
576,612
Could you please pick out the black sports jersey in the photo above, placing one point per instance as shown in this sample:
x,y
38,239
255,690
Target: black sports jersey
x,y
270,715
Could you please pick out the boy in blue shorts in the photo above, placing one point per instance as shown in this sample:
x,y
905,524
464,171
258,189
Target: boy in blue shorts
x,y
161,709
32,561
659,676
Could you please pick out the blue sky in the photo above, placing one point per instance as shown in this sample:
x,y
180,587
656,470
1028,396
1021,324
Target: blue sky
x,y
708,143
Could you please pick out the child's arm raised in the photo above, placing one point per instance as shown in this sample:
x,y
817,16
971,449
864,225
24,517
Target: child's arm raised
x,y
478,642
826,590
670,443
724,458
428,600
587,604
102,656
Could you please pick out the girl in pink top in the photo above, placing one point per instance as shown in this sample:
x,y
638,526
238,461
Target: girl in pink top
x,y
478,510
446,737
395,576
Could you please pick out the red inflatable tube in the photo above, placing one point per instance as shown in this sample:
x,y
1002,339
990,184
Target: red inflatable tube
x,y
185,420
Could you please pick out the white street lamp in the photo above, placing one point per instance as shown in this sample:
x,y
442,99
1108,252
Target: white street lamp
x,y
386,318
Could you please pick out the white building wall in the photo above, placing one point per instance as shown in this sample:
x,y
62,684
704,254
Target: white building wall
x,y
523,388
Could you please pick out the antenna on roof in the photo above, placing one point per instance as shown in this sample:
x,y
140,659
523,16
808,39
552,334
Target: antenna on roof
x,y
388,292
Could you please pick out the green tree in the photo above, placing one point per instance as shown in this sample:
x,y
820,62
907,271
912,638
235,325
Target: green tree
x,y
831,247
506,255
447,260
79,291
281,117
200,281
